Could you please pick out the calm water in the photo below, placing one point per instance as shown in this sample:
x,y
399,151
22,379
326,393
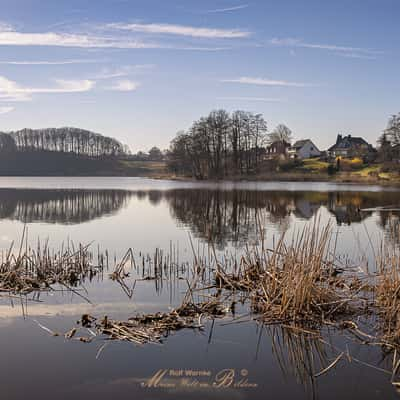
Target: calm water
x,y
118,213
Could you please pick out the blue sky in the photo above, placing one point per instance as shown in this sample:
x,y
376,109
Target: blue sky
x,y
143,70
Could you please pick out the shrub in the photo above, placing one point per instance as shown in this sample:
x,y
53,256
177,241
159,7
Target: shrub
x,y
351,164
289,165
332,169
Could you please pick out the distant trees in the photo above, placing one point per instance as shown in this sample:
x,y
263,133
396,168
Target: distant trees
x,y
66,140
7,143
155,154
218,144
280,134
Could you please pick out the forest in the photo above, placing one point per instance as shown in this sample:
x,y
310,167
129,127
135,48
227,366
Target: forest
x,y
77,141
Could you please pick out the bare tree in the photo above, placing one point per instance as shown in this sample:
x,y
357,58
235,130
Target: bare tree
x,y
219,144
280,134
392,132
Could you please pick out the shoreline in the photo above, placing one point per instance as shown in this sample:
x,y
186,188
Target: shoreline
x,y
339,179
276,177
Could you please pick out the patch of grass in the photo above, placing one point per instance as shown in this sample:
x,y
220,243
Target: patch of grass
x,y
314,165
142,168
368,171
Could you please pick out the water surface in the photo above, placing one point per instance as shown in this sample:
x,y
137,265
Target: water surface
x,y
119,213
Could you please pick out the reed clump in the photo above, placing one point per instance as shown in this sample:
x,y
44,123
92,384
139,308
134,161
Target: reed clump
x,y
152,328
296,281
31,270
387,288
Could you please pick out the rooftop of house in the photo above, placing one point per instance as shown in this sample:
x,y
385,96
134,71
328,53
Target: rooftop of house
x,y
300,143
346,142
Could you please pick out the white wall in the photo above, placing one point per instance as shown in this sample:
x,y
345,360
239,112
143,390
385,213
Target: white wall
x,y
308,150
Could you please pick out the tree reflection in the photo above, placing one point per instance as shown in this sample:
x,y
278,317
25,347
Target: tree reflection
x,y
60,206
232,216
220,216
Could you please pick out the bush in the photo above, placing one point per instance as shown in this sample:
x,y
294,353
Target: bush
x,y
332,169
390,166
289,165
352,164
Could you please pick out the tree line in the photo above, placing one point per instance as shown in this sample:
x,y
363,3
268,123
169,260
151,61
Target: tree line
x,y
219,144
66,140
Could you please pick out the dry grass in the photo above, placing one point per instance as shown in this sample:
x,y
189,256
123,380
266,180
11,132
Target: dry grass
x,y
388,288
296,281
30,270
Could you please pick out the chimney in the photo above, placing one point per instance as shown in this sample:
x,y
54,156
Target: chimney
x,y
339,139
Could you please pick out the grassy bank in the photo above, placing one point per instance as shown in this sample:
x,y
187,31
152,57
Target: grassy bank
x,y
315,170
47,163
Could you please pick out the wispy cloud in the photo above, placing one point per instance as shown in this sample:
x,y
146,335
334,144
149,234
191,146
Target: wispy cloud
x,y
356,55
89,41
125,85
12,91
260,99
227,9
45,62
181,30
5,110
11,37
293,42
125,70
265,82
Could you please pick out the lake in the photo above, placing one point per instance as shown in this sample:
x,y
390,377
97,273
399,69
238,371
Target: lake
x,y
116,214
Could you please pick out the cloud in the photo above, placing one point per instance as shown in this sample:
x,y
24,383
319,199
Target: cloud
x,y
45,62
221,10
10,37
125,85
261,99
181,30
12,91
264,82
292,42
356,55
107,73
4,26
5,110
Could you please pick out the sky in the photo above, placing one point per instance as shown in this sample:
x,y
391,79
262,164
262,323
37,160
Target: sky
x,y
142,70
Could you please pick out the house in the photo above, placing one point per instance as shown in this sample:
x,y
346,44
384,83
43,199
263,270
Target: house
x,y
349,147
277,149
304,149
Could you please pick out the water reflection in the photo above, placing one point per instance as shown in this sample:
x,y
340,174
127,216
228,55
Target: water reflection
x,y
283,361
223,216
59,206
232,216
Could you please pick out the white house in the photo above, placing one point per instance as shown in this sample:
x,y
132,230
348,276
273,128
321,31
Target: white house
x,y
304,149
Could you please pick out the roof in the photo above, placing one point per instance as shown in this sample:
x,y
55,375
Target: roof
x,y
300,143
348,142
